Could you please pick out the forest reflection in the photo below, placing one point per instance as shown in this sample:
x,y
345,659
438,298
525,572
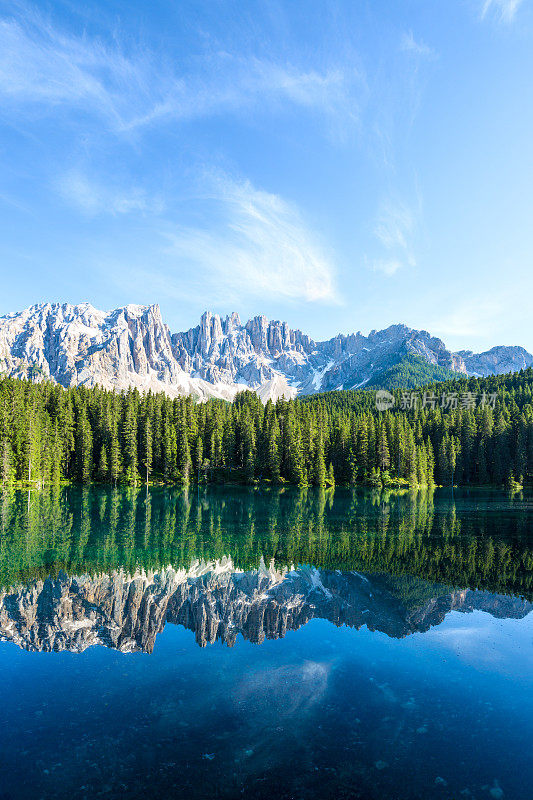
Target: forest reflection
x,y
480,541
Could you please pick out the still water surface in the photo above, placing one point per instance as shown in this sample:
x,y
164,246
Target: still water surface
x,y
245,643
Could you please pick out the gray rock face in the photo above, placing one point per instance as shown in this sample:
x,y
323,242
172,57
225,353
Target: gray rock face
x,y
132,347
75,345
218,602
223,349
227,351
73,613
496,361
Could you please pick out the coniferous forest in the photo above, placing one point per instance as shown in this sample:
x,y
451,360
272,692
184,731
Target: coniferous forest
x,y
49,434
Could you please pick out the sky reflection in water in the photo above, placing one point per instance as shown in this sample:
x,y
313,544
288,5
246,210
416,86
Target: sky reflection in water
x,y
321,710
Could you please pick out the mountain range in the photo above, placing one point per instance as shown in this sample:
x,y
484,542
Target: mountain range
x,y
133,347
218,602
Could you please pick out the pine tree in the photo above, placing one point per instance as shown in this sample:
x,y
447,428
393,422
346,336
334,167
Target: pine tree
x,y
114,450
362,452
198,455
273,453
102,463
56,455
182,451
129,439
409,459
84,446
292,467
6,463
448,459
320,463
383,451
169,450
421,465
147,446
430,463
32,447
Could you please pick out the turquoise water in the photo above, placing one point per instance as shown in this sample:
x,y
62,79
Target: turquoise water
x,y
245,643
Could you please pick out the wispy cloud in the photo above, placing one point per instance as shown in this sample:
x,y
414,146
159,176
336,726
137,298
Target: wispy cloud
x,y
44,69
94,197
394,225
261,246
386,266
394,229
248,242
409,44
502,10
470,319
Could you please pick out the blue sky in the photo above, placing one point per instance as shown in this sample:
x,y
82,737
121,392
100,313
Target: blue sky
x,y
340,165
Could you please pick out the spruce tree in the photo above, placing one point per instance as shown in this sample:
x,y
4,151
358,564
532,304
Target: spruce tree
x,y
84,446
183,457
147,446
103,463
320,463
383,451
129,439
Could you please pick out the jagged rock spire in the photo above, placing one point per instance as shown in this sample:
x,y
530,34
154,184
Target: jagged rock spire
x,y
133,347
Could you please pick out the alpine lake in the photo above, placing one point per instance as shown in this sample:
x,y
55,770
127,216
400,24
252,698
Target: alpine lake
x,y
263,643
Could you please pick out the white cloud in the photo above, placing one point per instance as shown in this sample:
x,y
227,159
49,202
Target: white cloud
x,y
261,246
394,225
94,198
409,45
394,230
250,242
43,69
503,10
387,266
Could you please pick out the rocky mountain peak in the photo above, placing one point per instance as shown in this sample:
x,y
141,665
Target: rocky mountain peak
x,y
218,602
498,359
132,346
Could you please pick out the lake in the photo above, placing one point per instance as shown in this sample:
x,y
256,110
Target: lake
x,y
235,642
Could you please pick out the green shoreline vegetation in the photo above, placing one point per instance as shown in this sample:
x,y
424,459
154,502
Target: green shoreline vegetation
x,y
52,435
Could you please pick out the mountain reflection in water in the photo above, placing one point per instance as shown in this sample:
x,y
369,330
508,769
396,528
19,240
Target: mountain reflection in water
x,y
370,681
112,567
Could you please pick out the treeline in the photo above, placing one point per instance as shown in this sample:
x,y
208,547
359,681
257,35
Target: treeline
x,y
410,372
49,434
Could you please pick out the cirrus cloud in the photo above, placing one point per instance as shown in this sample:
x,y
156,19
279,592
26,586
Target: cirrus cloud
x,y
503,10
394,230
44,71
93,197
260,246
409,44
